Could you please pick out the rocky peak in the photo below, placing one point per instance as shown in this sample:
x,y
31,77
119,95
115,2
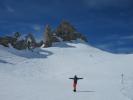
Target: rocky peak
x,y
65,27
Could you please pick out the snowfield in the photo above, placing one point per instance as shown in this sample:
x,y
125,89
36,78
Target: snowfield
x,y
43,74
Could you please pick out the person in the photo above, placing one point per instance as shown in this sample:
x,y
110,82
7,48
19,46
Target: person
x,y
75,80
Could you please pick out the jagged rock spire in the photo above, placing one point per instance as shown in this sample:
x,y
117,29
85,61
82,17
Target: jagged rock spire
x,y
64,28
48,36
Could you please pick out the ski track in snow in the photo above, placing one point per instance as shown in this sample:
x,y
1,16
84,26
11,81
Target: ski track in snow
x,y
43,74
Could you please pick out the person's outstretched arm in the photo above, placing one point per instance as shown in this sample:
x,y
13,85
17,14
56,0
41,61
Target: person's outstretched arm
x,y
80,78
71,78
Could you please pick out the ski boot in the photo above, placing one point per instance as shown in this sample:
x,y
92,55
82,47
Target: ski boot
x,y
74,90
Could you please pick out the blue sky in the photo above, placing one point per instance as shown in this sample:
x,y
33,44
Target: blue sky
x,y
108,24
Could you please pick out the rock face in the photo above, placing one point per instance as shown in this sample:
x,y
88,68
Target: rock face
x,y
28,42
67,32
64,32
17,35
30,38
31,41
48,36
64,28
20,45
5,41
13,41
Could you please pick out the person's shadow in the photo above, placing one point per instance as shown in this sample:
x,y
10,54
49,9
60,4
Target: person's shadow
x,y
84,91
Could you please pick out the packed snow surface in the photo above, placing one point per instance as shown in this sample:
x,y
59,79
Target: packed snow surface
x,y
44,73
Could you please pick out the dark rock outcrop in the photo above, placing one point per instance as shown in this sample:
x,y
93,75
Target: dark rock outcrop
x,y
48,36
5,41
67,32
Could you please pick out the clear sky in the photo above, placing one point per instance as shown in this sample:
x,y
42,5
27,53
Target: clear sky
x,y
108,24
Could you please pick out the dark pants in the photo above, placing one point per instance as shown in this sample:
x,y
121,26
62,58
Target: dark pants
x,y
74,86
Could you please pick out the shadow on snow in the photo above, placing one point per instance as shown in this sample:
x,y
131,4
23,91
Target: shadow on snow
x,y
5,62
37,53
85,91
63,45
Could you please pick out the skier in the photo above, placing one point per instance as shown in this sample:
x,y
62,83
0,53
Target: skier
x,y
75,79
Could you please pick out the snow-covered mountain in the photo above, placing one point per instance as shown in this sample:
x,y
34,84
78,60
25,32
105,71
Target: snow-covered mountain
x,y
43,74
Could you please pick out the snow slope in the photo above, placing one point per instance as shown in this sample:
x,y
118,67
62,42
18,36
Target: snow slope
x,y
43,74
